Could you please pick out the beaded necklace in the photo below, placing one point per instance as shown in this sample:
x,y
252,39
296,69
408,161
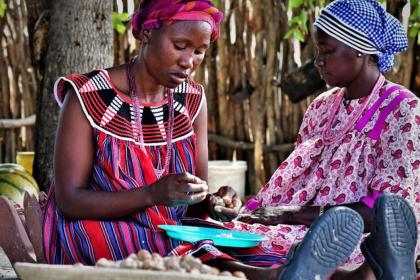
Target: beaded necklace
x,y
327,138
138,128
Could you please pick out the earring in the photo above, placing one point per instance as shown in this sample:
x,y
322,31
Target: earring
x,y
359,54
145,35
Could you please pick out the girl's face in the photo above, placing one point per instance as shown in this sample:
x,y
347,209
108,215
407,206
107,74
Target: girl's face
x,y
173,52
337,63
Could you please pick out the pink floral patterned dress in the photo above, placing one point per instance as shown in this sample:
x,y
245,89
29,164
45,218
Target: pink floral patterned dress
x,y
379,153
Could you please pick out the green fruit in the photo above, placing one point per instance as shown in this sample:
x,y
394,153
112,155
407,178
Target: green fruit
x,y
12,193
15,181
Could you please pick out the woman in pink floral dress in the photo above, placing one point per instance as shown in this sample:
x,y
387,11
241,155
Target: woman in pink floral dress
x,y
358,140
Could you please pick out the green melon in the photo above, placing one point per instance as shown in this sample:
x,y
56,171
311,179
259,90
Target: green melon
x,y
14,181
12,166
12,193
16,168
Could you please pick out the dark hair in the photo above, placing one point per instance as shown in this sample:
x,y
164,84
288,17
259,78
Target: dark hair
x,y
145,3
374,58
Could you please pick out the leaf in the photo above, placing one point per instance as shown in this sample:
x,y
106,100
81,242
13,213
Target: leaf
x,y
312,5
119,21
303,17
298,35
305,29
3,8
415,14
289,33
295,19
296,3
321,3
120,28
413,31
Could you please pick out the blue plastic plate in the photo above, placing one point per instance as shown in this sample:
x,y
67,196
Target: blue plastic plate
x,y
220,237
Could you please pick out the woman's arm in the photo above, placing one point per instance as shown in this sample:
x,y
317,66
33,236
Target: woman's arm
x,y
200,129
73,161
299,215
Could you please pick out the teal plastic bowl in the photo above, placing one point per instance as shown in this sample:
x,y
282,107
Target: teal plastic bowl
x,y
220,237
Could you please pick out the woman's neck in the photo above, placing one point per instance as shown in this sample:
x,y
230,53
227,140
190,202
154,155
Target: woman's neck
x,y
147,88
362,85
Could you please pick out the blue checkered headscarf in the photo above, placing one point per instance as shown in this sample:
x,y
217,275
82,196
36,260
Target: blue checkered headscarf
x,y
365,26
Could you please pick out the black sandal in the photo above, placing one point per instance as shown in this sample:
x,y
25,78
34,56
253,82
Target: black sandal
x,y
390,247
328,243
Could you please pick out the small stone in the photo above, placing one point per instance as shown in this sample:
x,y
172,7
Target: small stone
x,y
144,255
239,274
195,271
214,271
225,273
205,269
172,263
102,262
128,263
132,256
148,264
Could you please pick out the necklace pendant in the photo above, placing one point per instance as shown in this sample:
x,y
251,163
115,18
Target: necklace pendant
x,y
158,172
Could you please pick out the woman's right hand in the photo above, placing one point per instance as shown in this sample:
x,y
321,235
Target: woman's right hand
x,y
178,189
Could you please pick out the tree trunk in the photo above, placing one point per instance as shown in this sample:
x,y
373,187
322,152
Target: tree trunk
x,y
79,40
37,11
257,99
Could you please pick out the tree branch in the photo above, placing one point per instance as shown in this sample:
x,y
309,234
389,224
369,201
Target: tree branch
x,y
16,123
227,142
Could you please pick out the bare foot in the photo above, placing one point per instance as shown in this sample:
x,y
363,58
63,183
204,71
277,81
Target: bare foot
x,y
33,217
13,237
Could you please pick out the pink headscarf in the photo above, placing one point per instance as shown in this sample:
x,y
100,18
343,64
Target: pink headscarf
x,y
162,12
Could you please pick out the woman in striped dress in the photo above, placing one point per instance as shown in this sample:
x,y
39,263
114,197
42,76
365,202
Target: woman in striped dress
x,y
131,149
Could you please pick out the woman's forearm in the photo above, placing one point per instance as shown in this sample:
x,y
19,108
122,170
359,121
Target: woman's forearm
x,y
306,215
85,204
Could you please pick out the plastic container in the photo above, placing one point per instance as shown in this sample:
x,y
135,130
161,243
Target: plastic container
x,y
25,159
226,172
220,237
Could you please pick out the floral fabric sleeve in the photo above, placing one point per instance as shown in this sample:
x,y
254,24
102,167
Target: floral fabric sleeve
x,y
398,164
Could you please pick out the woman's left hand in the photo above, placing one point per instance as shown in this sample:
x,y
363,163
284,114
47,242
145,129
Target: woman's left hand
x,y
224,204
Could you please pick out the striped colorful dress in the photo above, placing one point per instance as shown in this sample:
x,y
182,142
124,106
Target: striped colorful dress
x,y
120,164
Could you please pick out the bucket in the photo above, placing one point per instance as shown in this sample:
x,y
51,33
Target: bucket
x,y
25,159
226,172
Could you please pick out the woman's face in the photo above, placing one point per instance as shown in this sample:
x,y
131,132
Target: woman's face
x,y
337,63
173,52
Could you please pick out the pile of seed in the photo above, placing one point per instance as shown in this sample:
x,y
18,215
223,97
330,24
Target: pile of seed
x,y
181,264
